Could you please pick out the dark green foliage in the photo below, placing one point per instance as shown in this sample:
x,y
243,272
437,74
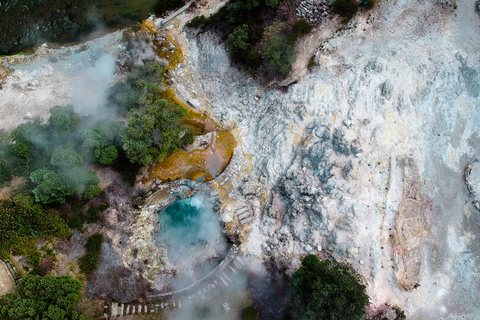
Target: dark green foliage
x,y
46,298
128,169
15,222
142,84
249,313
238,39
279,55
197,22
88,262
188,137
51,186
93,212
346,8
101,141
327,290
369,4
21,220
302,27
163,6
63,120
153,132
51,224
10,163
311,62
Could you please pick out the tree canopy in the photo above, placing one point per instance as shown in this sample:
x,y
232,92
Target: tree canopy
x,y
45,298
153,132
327,290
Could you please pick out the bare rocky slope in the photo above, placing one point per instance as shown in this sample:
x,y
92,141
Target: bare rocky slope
x,y
363,158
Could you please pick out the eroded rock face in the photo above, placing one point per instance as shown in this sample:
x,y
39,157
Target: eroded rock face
x,y
472,180
413,223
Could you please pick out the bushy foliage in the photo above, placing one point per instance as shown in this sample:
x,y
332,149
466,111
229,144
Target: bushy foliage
x,y
302,27
238,39
141,85
88,262
327,290
346,8
93,212
249,313
163,6
368,4
22,224
279,55
153,132
48,298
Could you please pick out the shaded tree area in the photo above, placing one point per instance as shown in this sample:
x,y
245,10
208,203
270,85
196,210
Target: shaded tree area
x,y
327,290
55,155
46,298
260,35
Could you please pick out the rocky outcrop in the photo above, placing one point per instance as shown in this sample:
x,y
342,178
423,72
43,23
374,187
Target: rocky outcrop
x,y
472,180
413,222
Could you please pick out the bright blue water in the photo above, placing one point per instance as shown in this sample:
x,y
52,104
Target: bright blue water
x,y
189,226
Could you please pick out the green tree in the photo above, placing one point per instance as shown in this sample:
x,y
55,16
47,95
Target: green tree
x,y
327,290
238,39
65,156
272,3
63,120
51,186
153,132
99,142
45,298
88,262
346,8
279,55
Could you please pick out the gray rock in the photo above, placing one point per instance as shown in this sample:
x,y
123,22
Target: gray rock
x,y
472,180
386,90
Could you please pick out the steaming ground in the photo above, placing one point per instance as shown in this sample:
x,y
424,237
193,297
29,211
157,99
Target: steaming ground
x,y
194,238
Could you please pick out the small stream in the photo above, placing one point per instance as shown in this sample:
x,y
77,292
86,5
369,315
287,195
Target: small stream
x,y
26,23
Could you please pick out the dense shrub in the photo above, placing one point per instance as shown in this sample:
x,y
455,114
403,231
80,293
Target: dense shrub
x,y
302,27
249,313
327,290
153,132
279,55
166,5
346,8
42,298
368,4
88,262
238,39
93,212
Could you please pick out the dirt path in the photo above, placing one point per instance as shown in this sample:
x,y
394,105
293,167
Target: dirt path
x,y
7,285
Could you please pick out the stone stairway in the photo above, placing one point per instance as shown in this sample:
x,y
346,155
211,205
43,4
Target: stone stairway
x,y
244,215
207,288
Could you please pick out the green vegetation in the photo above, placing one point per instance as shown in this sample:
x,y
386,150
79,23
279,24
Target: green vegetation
x,y
47,154
163,6
46,298
245,25
346,8
88,262
311,62
279,55
237,40
249,313
327,290
153,132
368,4
23,223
